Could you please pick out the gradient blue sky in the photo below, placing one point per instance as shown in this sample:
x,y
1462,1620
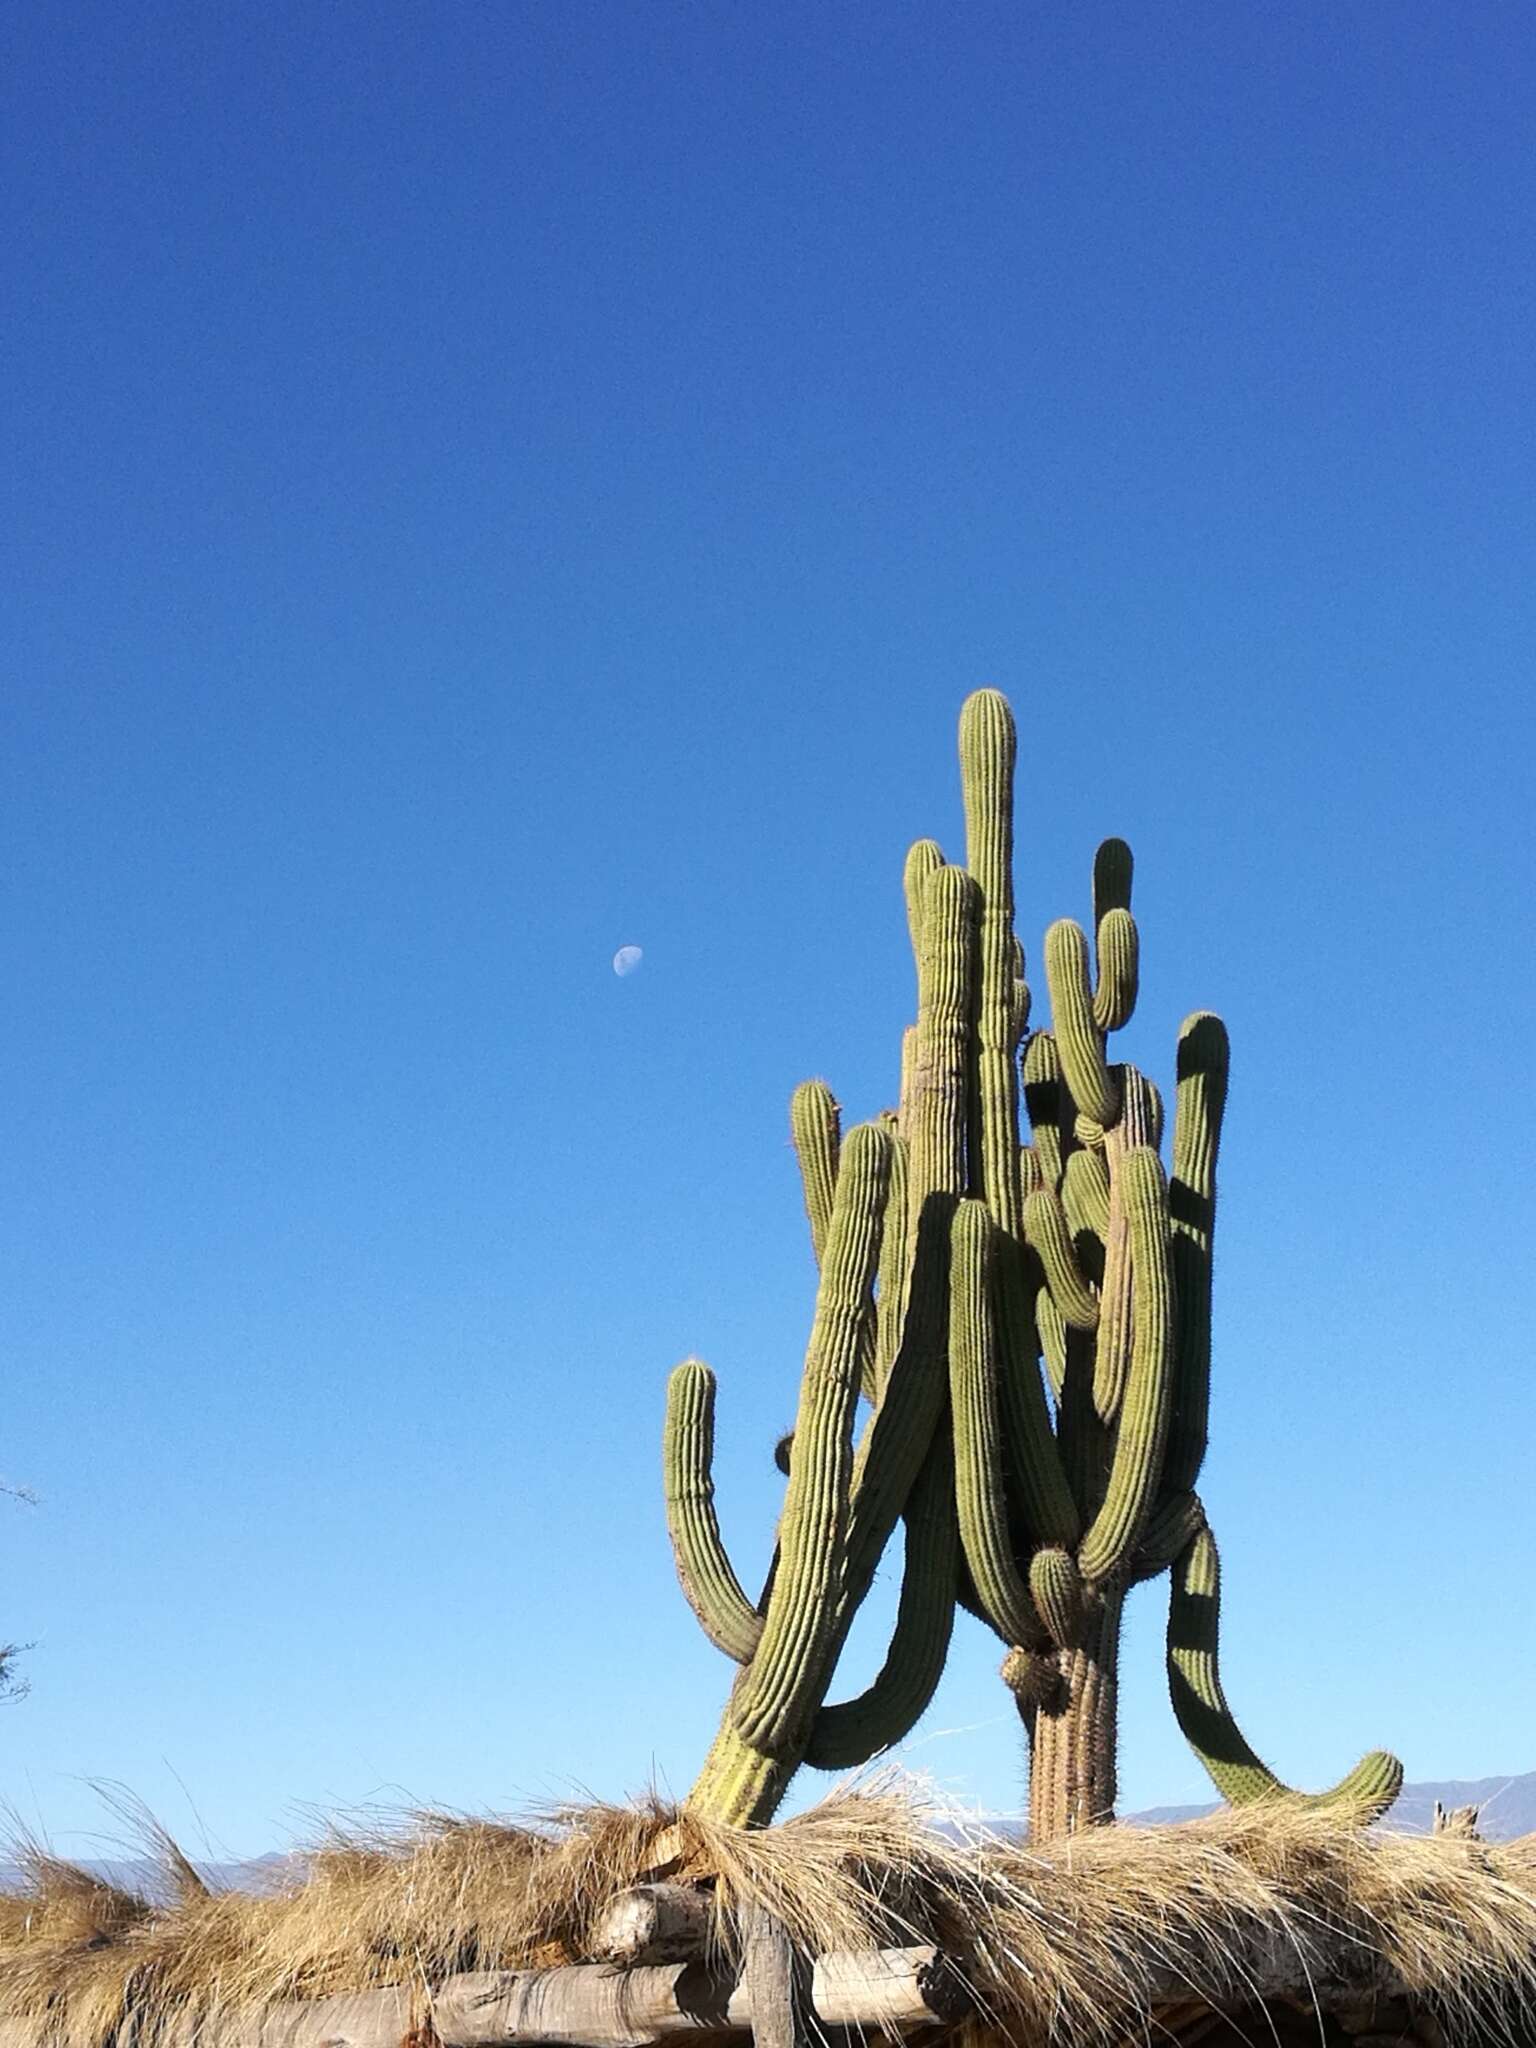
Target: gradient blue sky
x,y
489,483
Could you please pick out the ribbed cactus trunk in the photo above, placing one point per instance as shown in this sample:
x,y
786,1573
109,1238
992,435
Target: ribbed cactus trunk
x,y
1072,1744
1010,1356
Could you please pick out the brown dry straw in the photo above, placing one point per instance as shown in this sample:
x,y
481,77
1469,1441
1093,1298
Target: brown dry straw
x,y
1081,1940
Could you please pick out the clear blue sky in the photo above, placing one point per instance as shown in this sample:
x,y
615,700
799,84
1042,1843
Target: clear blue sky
x,y
490,483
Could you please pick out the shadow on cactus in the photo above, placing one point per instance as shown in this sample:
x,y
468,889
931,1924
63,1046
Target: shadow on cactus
x,y
1025,1329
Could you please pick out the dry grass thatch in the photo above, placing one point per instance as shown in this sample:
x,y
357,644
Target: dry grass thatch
x,y
1082,1940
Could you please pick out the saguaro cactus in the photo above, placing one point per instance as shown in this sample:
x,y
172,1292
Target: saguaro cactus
x,y
1030,1326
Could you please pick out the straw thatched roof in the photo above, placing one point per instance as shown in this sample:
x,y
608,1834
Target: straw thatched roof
x,y
1089,1940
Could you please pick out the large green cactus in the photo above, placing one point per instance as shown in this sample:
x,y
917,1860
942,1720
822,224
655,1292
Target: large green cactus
x,y
956,1262
1103,1275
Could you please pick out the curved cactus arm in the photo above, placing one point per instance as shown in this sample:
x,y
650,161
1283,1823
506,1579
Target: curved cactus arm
x,y
1136,1472
1194,1682
1172,1526
1049,1236
778,1691
1079,1041
1201,1097
980,1501
704,1570
850,1732
897,1436
988,745
815,1127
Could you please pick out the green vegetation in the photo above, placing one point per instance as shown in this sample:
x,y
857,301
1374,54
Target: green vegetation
x,y
1029,1328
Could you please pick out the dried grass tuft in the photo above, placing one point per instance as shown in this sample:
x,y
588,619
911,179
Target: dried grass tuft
x,y
1083,1939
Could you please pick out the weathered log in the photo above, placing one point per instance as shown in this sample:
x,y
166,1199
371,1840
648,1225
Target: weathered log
x,y
655,1923
589,2005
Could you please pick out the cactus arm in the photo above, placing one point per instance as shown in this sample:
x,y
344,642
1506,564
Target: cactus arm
x,y
1198,1104
1052,1327
1044,1498
1045,1100
1118,947
1194,1683
852,1731
1172,1526
988,744
898,1434
893,1261
940,1081
1114,867
1085,1191
815,1129
778,1691
1056,1588
1079,1042
924,857
1140,1123
704,1570
979,1495
1136,1471
1048,1234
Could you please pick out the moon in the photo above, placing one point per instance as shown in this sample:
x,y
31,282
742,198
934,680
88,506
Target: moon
x,y
627,960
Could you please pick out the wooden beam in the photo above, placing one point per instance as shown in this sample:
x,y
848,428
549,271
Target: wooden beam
x,y
655,1923
589,2005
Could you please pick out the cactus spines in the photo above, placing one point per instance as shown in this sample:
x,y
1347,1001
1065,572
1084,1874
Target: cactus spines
x,y
1030,1324
1194,1679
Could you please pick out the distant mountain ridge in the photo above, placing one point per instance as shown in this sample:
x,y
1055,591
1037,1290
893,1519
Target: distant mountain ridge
x,y
1508,1806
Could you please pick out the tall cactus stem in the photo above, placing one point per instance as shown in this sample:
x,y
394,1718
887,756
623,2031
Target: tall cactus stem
x,y
1072,1742
988,745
